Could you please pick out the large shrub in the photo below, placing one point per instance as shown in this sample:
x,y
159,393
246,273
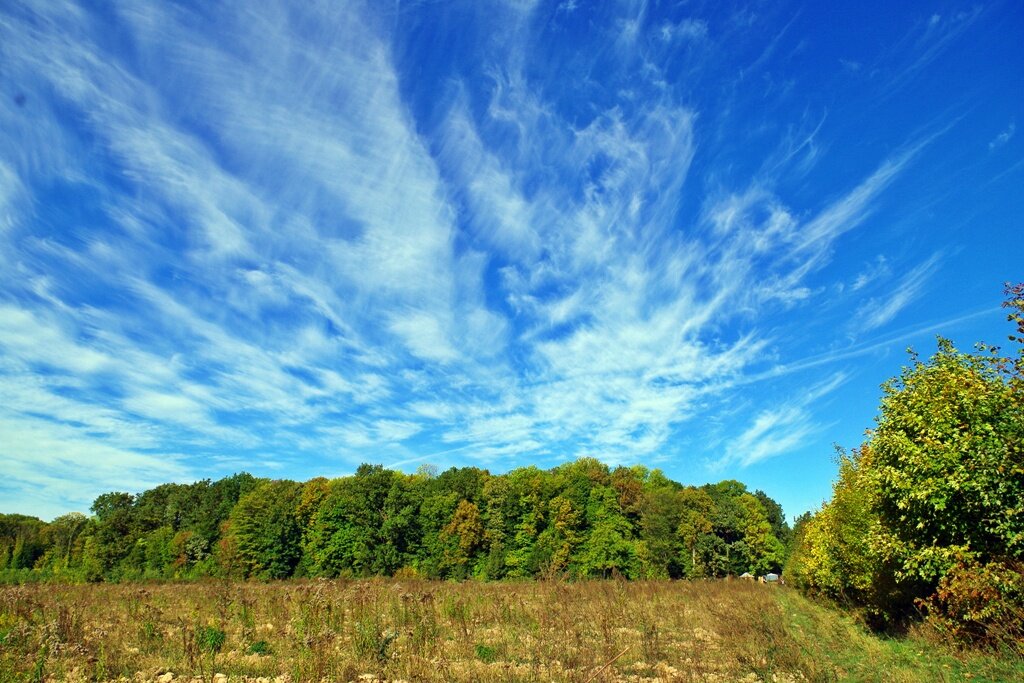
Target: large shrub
x,y
929,512
981,604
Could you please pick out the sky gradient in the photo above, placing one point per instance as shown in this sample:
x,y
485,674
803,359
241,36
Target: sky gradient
x,y
288,238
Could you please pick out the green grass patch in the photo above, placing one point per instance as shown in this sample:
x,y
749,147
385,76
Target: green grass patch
x,y
834,646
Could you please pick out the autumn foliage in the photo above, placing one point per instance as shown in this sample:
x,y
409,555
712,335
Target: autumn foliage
x,y
928,514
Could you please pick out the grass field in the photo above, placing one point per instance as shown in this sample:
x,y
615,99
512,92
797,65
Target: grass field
x,y
427,631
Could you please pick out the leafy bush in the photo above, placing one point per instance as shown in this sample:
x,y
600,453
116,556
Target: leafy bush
x,y
981,604
486,653
210,639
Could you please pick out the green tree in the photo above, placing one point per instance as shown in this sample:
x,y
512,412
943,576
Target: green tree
x,y
661,515
525,555
765,551
776,518
116,529
696,511
266,529
628,483
436,511
945,461
400,531
728,519
579,519
64,534
711,556
461,538
500,509
346,532
608,548
560,538
23,541
159,552
934,499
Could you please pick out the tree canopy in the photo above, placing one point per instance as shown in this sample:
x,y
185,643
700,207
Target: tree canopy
x,y
582,519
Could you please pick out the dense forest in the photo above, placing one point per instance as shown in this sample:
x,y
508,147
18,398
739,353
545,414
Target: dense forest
x,y
581,519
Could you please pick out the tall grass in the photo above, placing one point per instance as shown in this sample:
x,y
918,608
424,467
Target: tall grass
x,y
388,630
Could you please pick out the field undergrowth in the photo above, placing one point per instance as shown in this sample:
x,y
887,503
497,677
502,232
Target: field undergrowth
x,y
380,630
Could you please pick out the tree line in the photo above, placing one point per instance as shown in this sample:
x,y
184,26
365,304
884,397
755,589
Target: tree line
x,y
927,515
581,519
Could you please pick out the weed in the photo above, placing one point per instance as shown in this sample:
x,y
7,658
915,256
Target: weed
x,y
260,647
371,642
651,643
150,631
486,653
210,639
40,665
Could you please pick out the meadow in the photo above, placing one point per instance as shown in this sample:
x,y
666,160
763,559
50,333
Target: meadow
x,y
394,630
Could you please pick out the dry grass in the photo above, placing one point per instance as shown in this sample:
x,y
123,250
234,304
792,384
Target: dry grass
x,y
428,631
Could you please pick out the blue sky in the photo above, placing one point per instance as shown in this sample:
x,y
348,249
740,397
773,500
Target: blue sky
x,y
288,238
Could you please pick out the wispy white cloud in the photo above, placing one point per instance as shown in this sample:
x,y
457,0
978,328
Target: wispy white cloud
x,y
925,41
872,273
54,466
425,336
36,341
687,29
781,429
11,191
878,311
501,217
1003,137
851,66
854,207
